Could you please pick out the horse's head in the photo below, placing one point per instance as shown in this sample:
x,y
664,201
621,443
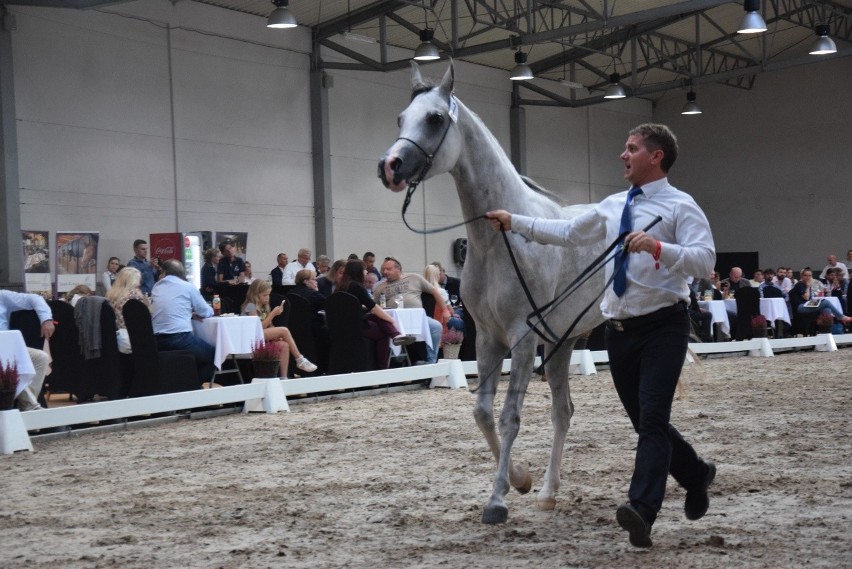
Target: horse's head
x,y
428,142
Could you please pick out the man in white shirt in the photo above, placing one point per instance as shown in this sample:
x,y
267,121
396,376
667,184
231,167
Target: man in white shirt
x,y
780,281
174,302
833,263
303,261
11,301
648,329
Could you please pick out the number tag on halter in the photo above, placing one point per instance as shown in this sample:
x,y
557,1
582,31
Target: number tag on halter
x,y
454,109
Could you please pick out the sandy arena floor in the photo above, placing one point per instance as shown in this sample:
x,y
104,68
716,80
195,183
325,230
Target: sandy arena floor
x,y
399,480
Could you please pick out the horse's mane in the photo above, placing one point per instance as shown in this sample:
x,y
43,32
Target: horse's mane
x,y
533,185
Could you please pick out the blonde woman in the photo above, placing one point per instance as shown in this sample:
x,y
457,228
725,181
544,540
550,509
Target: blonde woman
x,y
257,304
126,286
432,273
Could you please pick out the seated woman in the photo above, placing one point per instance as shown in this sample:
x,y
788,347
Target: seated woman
x,y
113,266
306,287
801,294
257,304
125,287
247,277
432,273
379,325
208,273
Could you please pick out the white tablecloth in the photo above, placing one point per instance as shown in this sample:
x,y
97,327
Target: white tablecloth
x,y
772,308
13,350
230,335
411,321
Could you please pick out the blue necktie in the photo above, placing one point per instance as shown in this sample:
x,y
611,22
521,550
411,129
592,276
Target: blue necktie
x,y
619,284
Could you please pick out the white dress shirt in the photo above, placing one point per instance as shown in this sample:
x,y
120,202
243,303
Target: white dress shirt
x,y
687,245
290,270
173,301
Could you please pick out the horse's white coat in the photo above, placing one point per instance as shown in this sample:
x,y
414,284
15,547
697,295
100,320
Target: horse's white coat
x,y
486,180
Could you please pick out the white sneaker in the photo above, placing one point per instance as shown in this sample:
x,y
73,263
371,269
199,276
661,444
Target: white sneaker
x,y
305,365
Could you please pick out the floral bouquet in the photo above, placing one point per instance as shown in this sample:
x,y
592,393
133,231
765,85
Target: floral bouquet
x,y
452,343
825,320
758,321
8,385
262,351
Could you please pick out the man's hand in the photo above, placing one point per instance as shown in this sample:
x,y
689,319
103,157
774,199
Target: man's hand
x,y
640,241
47,329
500,220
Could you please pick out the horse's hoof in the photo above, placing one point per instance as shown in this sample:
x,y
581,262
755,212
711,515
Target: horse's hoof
x,y
545,504
495,515
526,486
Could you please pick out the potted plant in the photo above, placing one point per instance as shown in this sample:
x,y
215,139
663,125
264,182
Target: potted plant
x,y
452,339
8,385
265,358
825,321
758,326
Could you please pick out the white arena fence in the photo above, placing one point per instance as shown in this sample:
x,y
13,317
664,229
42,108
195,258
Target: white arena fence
x,y
270,395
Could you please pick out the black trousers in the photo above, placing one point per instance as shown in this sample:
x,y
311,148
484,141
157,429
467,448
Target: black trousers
x,y
645,360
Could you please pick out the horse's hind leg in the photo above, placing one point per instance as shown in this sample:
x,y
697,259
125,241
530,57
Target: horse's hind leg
x,y
562,409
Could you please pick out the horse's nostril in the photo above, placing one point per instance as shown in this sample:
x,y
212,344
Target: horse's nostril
x,y
395,164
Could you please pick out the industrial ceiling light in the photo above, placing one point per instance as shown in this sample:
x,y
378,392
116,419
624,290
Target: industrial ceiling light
x,y
752,22
521,71
426,51
691,107
281,16
823,44
614,91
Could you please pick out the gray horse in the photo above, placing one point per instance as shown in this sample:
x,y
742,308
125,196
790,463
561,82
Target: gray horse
x,y
438,129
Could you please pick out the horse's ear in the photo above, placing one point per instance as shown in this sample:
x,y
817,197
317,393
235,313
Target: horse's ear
x,y
449,78
416,78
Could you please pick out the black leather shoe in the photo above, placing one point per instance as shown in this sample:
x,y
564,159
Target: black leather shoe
x,y
697,501
631,520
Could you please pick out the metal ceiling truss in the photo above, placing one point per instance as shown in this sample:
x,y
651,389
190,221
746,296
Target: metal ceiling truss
x,y
632,44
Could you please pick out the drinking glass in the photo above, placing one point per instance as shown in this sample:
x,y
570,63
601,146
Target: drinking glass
x,y
454,299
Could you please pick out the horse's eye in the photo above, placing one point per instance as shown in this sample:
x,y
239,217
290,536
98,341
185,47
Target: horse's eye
x,y
435,119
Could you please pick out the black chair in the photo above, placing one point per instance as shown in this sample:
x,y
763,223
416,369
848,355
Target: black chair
x,y
27,322
115,368
282,319
155,372
803,323
467,352
70,373
349,350
300,323
748,306
770,291
428,304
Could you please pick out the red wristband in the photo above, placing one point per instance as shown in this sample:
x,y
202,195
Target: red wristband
x,y
657,255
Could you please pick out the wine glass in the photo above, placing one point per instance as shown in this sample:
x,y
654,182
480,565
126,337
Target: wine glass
x,y
454,299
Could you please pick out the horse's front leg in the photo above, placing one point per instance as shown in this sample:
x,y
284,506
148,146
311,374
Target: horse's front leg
x,y
510,422
562,409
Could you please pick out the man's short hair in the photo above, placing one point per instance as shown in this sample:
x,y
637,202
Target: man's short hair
x,y
437,264
174,268
224,244
659,137
395,260
281,255
368,254
139,242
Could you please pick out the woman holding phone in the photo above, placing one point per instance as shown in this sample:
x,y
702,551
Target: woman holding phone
x,y
257,304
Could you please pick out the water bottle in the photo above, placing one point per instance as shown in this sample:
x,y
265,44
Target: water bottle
x,y
399,301
383,302
217,305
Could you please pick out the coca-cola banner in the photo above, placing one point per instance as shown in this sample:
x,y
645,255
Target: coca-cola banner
x,y
35,255
76,259
166,246
239,240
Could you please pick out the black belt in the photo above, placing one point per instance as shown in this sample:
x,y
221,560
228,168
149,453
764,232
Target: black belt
x,y
639,321
169,335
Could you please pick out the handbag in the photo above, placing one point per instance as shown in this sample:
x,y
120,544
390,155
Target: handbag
x,y
122,338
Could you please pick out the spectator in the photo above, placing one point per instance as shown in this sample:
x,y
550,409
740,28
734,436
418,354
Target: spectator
x,y
431,273
73,295
11,301
780,281
734,282
833,263
321,265
380,326
113,266
126,286
303,261
306,287
175,302
248,277
327,283
150,270
208,273
451,284
370,262
801,294
757,280
370,280
257,304
410,287
278,272
231,268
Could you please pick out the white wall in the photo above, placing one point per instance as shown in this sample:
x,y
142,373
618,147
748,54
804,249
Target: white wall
x,y
129,128
769,166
